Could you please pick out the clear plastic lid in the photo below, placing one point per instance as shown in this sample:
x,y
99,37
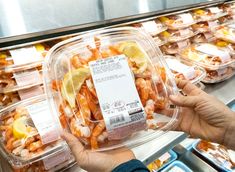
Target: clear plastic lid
x,y
177,35
153,27
205,26
203,38
226,20
208,56
184,70
225,45
10,82
119,112
22,58
175,47
24,137
178,21
215,76
208,14
226,33
177,166
215,153
10,98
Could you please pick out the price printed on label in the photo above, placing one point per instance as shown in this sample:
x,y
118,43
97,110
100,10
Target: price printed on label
x,y
187,71
56,159
119,100
25,55
27,77
214,51
44,121
186,18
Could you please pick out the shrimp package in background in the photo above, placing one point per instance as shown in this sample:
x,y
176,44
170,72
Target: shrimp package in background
x,y
29,132
112,87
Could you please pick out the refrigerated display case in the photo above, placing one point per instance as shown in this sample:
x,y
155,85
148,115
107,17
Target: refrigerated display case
x,y
49,22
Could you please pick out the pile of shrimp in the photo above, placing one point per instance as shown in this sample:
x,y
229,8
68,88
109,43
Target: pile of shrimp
x,y
86,120
37,167
7,99
27,147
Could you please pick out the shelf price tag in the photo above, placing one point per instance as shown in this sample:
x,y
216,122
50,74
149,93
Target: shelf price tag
x,y
119,100
25,55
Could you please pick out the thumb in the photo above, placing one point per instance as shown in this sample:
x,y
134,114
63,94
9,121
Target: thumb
x,y
76,147
184,101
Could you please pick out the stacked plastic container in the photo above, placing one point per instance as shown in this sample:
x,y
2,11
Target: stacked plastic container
x,y
112,86
27,141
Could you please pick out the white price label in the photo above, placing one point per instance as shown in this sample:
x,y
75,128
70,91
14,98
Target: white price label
x,y
187,18
27,77
214,51
25,55
215,10
56,159
118,98
165,157
44,121
150,26
182,44
30,92
184,32
212,24
187,71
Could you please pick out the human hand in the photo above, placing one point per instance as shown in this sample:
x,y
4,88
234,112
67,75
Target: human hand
x,y
204,115
96,161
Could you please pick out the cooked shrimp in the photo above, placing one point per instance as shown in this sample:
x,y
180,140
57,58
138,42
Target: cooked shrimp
x,y
96,54
78,130
75,61
91,88
9,145
142,89
35,145
29,140
101,138
84,108
9,133
18,150
152,93
149,108
56,85
95,133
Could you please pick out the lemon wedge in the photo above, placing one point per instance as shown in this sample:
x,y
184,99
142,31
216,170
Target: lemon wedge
x,y
72,83
3,55
199,12
134,53
39,47
221,43
20,128
166,34
164,19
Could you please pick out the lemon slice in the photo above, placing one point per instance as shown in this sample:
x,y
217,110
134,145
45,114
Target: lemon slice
x,y
39,47
3,55
166,34
72,83
134,53
164,19
221,43
20,128
199,12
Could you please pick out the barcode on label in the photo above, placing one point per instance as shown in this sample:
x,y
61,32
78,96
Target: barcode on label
x,y
116,119
137,116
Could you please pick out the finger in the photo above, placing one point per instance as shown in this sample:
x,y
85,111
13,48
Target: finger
x,y
74,144
187,87
184,101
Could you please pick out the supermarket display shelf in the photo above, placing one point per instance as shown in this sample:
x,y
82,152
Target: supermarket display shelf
x,y
225,91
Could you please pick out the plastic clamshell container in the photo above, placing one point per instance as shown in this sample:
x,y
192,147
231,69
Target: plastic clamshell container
x,y
226,20
207,14
162,161
226,33
228,7
175,47
20,140
55,162
183,70
205,26
177,35
215,76
202,38
137,47
208,56
152,27
10,82
10,98
217,156
225,45
178,21
33,57
177,166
